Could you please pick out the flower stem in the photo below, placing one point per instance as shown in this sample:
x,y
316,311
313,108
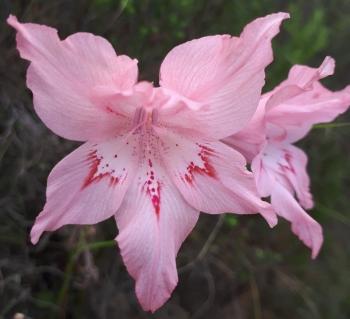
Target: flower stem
x,y
81,247
331,125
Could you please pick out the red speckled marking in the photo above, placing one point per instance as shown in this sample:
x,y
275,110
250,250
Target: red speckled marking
x,y
207,168
110,110
152,188
94,164
154,193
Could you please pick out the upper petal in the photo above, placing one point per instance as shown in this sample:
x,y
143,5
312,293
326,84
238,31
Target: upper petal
x,y
62,75
221,75
300,79
288,112
301,101
153,221
88,185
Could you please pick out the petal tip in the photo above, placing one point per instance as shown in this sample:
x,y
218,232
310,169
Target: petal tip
x,y
35,233
327,67
278,16
12,21
315,251
34,237
154,305
272,221
282,15
314,254
269,214
308,204
315,248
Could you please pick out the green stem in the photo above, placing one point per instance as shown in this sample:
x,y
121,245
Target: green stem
x,y
333,214
331,125
100,244
72,260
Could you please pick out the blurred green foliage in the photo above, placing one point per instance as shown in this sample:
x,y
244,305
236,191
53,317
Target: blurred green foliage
x,y
307,37
249,271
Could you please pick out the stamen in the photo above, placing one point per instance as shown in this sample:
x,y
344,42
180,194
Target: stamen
x,y
154,116
137,116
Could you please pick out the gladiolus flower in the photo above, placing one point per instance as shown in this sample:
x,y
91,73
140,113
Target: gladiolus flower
x,y
152,156
284,116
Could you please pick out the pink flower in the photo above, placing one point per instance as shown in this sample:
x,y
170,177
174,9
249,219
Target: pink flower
x,y
152,156
284,116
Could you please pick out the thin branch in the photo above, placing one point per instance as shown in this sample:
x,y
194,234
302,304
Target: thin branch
x,y
331,125
256,297
211,237
81,247
206,247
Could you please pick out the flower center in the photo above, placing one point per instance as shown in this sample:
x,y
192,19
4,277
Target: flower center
x,y
145,117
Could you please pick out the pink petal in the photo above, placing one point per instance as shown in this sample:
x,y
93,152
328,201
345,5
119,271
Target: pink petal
x,y
300,79
221,75
301,101
288,112
153,221
317,106
88,185
305,227
123,104
211,176
304,76
280,171
263,174
62,75
252,137
297,175
286,164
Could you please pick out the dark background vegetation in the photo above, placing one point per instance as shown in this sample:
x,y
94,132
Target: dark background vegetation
x,y
229,267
